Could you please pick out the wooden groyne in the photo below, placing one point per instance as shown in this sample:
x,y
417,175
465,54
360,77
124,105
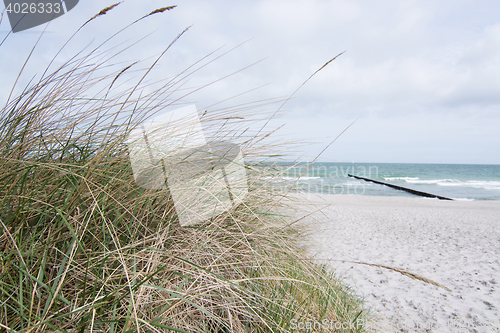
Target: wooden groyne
x,y
409,190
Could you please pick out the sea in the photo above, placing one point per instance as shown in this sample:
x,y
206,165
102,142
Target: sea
x,y
455,181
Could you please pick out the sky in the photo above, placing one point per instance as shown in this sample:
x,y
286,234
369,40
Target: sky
x,y
419,79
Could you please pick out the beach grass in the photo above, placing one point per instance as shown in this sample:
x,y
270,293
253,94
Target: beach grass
x,y
84,249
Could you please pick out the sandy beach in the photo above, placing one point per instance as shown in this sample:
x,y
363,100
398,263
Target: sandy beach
x,y
453,243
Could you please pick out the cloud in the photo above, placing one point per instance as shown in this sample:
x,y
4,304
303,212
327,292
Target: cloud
x,y
404,60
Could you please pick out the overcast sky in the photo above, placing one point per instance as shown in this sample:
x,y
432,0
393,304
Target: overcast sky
x,y
422,78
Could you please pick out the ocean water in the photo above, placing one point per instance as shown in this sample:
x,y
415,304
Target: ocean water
x,y
456,181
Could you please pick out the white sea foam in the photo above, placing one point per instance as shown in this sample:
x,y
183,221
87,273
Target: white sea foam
x,y
484,184
444,182
289,178
365,184
401,178
489,185
299,178
308,178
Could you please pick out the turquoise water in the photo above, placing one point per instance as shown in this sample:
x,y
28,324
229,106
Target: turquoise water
x,y
457,181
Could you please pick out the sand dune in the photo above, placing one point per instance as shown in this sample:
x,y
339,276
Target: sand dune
x,y
453,243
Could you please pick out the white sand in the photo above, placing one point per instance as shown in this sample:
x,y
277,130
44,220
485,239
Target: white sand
x,y
454,243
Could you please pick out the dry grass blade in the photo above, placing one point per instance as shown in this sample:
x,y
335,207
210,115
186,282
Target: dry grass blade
x,y
399,270
326,64
161,10
119,74
104,11
406,273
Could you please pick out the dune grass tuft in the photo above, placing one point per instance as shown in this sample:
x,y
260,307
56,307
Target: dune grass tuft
x,y
84,249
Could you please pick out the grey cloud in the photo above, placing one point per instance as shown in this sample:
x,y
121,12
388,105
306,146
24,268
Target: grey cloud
x,y
403,59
